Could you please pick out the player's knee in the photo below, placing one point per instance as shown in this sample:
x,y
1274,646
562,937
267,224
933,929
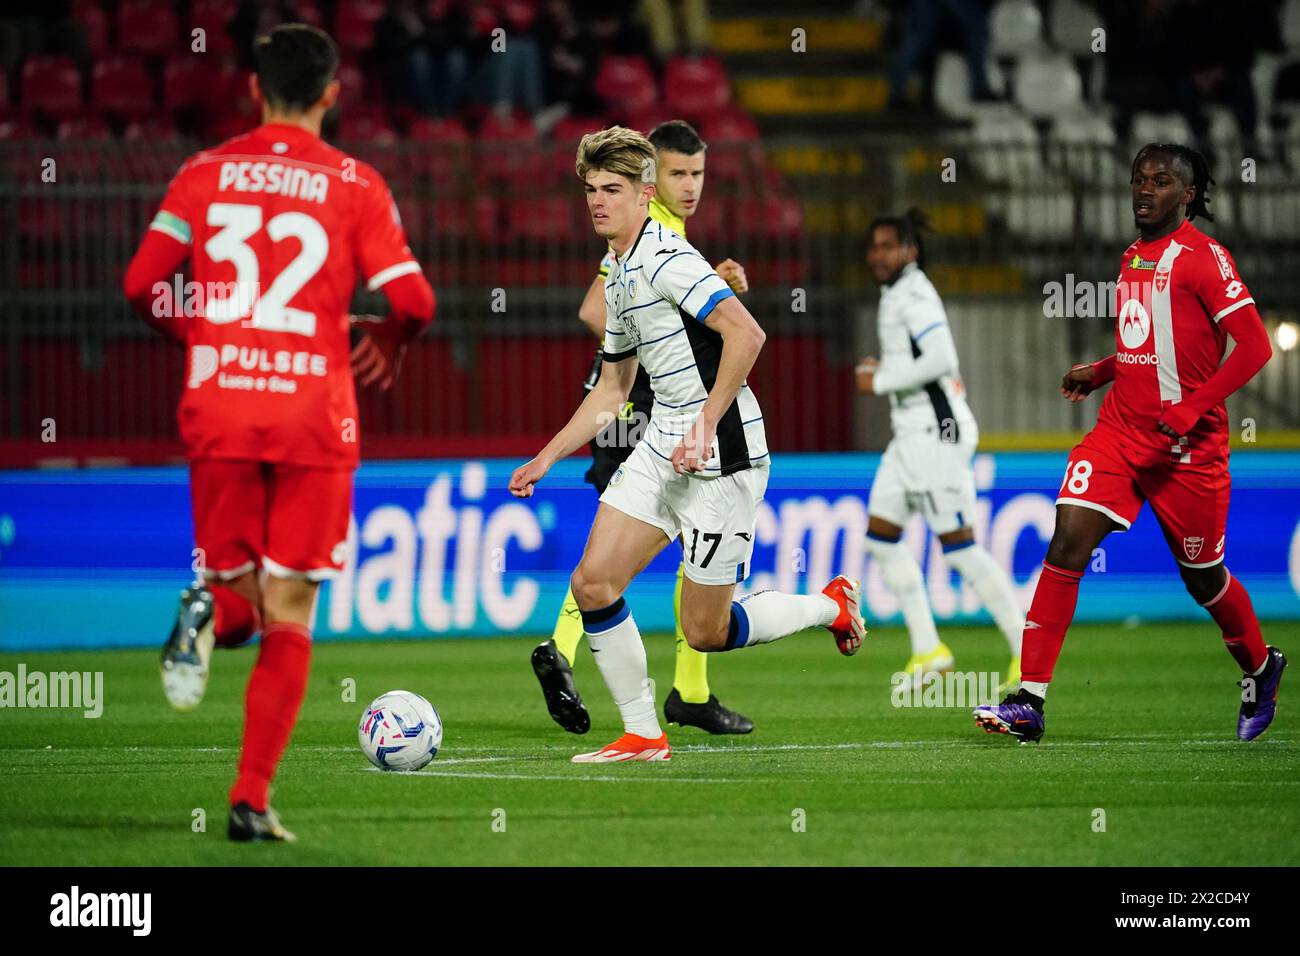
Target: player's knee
x,y
288,599
705,636
590,591
1069,553
1203,584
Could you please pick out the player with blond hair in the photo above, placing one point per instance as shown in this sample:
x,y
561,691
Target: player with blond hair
x,y
701,469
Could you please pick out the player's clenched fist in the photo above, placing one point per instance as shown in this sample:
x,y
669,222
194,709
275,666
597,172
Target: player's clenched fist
x,y
733,273
695,449
1077,383
527,475
377,358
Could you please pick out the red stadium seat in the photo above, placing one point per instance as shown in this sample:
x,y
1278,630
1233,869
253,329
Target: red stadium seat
x,y
548,219
508,149
122,86
729,125
185,80
150,165
442,156
84,127
426,130
370,138
307,11
51,85
17,128
148,27
94,21
695,86
367,129
626,84
354,24
157,129
774,217
463,219
352,88
643,121
707,225
565,137
87,152
212,17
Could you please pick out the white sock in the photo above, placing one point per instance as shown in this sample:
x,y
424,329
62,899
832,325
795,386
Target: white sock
x,y
979,569
767,616
1035,688
620,656
903,576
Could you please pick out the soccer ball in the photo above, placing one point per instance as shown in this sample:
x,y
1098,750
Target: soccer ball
x,y
400,731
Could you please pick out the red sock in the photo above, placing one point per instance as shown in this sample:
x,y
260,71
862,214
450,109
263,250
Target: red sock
x,y
275,691
1050,614
1235,615
234,618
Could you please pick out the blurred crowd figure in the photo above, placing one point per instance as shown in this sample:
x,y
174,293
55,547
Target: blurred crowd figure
x,y
924,24
1161,55
440,57
1185,55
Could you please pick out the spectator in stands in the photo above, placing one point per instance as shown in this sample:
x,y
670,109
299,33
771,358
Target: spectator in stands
x,y
922,21
253,19
1185,54
675,27
421,51
509,64
51,29
572,54
1214,46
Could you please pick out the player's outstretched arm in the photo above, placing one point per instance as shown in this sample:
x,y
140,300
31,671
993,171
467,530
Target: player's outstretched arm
x,y
1082,380
742,340
597,410
1252,352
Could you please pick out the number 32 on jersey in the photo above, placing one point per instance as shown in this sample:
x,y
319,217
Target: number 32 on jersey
x,y
237,223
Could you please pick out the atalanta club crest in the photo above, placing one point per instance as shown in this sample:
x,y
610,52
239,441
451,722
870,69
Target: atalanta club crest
x,y
1192,547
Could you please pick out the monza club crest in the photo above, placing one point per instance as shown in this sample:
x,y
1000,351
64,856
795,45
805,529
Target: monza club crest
x,y
1192,547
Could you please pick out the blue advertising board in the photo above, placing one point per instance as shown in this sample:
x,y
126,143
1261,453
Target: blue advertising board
x,y
94,558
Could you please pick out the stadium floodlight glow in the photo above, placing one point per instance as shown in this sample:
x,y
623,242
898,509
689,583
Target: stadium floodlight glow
x,y
1286,336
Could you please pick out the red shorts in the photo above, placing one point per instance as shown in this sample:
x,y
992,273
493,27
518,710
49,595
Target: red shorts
x,y
290,520
1113,474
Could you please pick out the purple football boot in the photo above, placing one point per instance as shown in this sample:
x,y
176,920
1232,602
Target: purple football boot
x,y
1016,715
1257,711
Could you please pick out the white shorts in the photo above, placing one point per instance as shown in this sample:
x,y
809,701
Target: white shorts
x,y
714,516
919,473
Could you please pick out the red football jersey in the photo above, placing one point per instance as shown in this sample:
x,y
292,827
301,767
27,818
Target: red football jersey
x,y
280,227
1171,295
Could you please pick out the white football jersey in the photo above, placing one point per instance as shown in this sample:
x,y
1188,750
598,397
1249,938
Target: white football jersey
x,y
657,297
918,361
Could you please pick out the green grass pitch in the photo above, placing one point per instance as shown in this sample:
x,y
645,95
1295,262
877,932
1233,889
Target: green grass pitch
x,y
1140,726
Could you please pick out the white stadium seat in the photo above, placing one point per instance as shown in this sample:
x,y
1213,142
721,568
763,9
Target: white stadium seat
x,y
1160,128
952,84
1071,24
1015,28
1005,144
1082,143
1047,85
1291,25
